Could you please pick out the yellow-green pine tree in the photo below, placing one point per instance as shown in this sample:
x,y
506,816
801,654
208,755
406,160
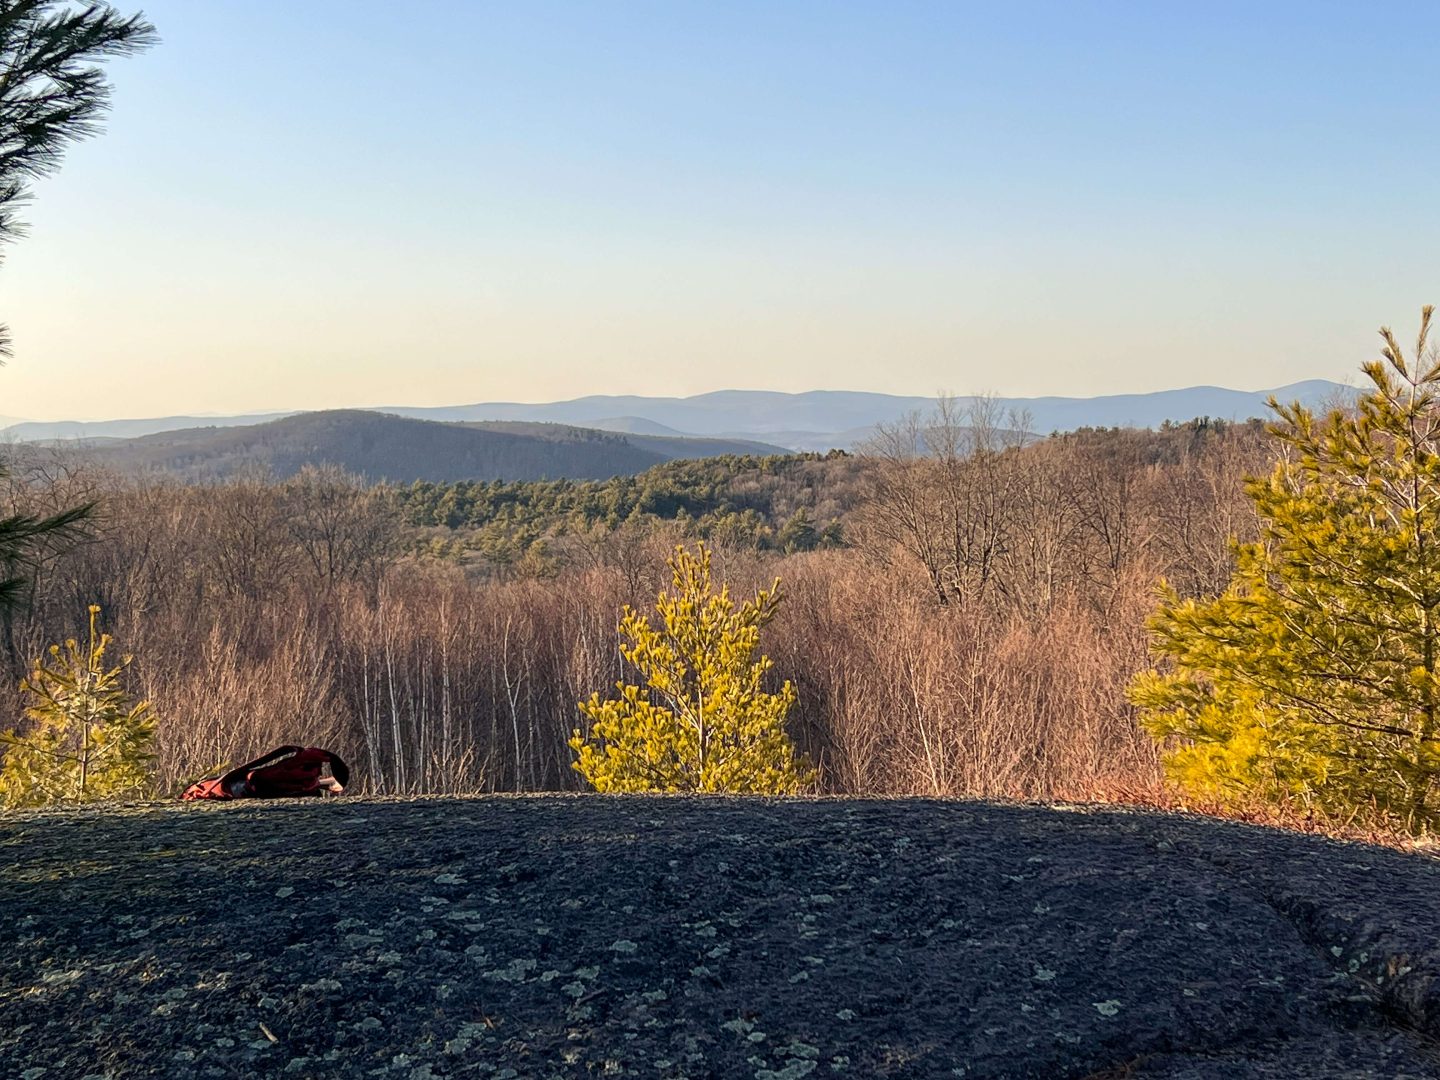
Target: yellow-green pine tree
x,y
702,721
90,739
1316,675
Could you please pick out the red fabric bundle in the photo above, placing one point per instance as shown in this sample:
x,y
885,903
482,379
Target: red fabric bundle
x,y
286,773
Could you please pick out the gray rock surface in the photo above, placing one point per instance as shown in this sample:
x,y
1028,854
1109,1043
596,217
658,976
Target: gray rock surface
x,y
667,937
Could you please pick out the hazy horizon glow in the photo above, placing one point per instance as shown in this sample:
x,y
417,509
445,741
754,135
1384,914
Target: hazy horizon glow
x,y
368,204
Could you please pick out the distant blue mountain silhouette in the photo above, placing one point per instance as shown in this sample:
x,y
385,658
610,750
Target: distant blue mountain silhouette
x,y
815,420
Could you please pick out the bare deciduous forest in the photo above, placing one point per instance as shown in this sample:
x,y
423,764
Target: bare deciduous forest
x,y
963,607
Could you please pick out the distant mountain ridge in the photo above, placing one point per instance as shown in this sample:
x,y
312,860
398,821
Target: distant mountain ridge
x,y
815,420
376,447
815,415
52,430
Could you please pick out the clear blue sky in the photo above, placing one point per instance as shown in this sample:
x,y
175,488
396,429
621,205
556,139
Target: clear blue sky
x,y
301,205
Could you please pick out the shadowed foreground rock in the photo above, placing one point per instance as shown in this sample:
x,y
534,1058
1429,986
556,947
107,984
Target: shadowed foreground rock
x,y
587,936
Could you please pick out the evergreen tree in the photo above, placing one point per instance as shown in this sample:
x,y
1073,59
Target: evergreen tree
x,y
1316,675
22,539
51,94
51,91
90,739
702,722
798,534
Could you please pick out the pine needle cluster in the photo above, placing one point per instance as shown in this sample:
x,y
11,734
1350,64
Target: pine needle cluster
x,y
52,91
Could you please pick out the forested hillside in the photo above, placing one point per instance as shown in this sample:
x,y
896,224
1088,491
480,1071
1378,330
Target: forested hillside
x,y
788,504
377,446
441,635
791,503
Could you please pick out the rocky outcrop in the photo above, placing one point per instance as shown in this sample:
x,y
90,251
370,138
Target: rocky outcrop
x,y
667,937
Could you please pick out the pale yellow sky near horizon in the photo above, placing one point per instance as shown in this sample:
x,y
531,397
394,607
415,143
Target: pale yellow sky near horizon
x,y
210,318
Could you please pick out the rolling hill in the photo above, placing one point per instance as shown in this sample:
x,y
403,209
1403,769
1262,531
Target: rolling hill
x,y
378,446
667,444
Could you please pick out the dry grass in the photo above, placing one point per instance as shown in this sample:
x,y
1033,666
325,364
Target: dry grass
x,y
1368,826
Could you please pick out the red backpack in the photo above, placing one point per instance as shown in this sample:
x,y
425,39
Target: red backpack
x,y
287,773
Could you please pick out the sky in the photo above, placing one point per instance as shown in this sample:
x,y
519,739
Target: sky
x,y
366,203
